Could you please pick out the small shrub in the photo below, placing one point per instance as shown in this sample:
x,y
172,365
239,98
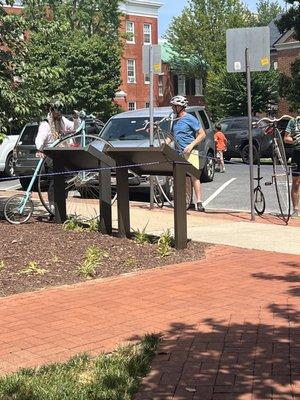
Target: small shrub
x,y
92,261
164,243
140,236
2,137
93,225
73,224
130,263
33,268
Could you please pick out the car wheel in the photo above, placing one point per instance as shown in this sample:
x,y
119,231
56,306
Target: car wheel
x,y
245,154
227,158
9,166
209,168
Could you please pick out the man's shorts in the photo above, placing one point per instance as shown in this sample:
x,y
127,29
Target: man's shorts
x,y
296,163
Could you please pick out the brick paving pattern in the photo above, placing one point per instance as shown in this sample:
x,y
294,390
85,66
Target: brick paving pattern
x,y
230,325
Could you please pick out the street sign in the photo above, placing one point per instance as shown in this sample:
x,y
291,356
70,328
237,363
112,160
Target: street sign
x,y
256,40
156,49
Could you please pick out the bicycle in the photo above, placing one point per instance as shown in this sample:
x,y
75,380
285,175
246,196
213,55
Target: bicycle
x,y
164,186
281,173
19,208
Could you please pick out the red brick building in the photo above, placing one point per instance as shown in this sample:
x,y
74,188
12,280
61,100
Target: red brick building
x,y
140,22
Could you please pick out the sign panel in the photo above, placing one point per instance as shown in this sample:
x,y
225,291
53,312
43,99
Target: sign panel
x,y
257,40
156,58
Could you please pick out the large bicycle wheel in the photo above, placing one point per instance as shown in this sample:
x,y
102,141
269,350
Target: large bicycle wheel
x,y
281,177
167,188
158,194
16,210
82,188
259,201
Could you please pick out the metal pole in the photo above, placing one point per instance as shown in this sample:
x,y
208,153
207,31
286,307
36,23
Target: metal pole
x,y
151,118
248,73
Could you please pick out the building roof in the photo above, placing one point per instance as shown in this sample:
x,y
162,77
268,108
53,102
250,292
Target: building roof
x,y
274,31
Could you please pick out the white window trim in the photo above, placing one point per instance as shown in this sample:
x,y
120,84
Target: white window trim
x,y
198,87
131,79
147,34
146,82
133,33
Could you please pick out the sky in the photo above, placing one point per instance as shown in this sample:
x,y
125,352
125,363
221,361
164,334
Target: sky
x,y
172,8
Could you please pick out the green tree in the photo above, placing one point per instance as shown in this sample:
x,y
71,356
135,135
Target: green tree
x,y
267,11
226,93
289,87
200,31
291,19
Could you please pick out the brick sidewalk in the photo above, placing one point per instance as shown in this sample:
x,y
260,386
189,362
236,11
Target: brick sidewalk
x,y
230,325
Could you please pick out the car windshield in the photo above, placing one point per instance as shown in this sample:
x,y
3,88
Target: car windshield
x,y
126,129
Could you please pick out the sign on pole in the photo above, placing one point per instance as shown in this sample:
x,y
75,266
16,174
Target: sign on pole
x,y
256,40
156,49
248,49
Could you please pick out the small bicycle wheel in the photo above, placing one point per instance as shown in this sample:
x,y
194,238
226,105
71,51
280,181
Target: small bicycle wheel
x,y
82,188
168,190
259,201
17,210
281,178
158,195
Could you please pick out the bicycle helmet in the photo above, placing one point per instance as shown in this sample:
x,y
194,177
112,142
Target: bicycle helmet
x,y
179,101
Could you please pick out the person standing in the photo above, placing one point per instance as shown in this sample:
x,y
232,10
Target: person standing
x,y
292,136
188,133
50,129
221,146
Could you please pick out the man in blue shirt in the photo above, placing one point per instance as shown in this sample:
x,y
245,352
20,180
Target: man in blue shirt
x,y
188,133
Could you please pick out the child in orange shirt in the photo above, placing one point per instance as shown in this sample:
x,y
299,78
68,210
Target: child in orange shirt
x,y
221,146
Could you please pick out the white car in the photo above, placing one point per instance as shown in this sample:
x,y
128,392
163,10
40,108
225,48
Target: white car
x,y
6,152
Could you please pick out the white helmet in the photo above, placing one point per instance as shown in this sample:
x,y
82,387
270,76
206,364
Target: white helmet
x,y
179,101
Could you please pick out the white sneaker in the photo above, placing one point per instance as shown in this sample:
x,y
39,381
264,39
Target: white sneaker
x,y
295,213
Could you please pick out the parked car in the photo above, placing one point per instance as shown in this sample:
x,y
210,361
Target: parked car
x,y
6,151
122,130
236,131
24,153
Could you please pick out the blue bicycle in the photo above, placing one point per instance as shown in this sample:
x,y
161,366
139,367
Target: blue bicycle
x,y
81,187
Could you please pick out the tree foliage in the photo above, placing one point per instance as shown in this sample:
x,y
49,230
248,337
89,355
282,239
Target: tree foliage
x,y
291,19
267,10
226,93
200,33
289,87
72,52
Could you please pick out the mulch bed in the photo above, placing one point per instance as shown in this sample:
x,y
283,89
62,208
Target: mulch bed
x,y
60,253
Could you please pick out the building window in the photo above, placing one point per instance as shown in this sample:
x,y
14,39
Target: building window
x,y
147,105
132,106
131,71
147,34
130,31
147,79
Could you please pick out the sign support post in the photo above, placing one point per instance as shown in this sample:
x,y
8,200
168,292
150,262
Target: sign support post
x,y
248,49
249,99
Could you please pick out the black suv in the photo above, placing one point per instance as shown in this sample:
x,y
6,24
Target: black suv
x,y
236,132
24,153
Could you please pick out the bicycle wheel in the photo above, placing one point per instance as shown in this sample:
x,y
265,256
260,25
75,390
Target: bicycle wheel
x,y
259,201
15,211
82,188
158,195
167,189
281,177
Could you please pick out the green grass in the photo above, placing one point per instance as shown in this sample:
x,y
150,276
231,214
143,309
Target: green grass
x,y
108,377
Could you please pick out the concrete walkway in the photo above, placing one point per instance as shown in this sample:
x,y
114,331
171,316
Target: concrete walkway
x,y
228,228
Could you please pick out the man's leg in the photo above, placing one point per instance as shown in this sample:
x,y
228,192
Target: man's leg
x,y
197,189
49,170
295,194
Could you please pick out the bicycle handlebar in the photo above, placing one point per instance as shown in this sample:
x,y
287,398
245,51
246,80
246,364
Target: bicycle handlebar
x,y
275,120
156,123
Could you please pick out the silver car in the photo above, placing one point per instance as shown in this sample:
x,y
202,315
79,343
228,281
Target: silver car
x,y
126,130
